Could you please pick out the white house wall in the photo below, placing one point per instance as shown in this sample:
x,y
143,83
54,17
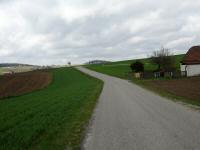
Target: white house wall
x,y
192,70
183,68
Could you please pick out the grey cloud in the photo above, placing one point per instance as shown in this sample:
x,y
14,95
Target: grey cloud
x,y
95,30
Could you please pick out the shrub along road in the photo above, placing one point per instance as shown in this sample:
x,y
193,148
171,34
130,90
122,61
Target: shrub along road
x,y
129,117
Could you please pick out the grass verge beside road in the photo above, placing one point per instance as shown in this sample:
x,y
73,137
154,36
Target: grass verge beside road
x,y
53,118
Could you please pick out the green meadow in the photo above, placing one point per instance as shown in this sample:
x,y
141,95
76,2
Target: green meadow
x,y
121,69
53,118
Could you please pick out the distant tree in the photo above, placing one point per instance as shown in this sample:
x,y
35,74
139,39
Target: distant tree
x,y
137,66
69,63
163,59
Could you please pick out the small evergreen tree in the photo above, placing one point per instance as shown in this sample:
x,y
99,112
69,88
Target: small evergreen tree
x,y
137,67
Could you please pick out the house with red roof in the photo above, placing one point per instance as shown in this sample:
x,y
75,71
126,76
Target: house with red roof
x,y
190,65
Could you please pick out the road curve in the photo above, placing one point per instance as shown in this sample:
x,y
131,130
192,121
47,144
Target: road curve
x,y
128,117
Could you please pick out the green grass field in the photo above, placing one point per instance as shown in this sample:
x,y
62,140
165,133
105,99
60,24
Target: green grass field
x,y
53,118
122,68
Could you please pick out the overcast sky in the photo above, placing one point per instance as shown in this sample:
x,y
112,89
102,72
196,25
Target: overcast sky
x,y
57,31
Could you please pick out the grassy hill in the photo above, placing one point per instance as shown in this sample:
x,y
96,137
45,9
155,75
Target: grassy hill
x,y
122,68
52,118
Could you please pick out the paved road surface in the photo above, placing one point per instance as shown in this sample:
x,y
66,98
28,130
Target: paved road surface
x,y
128,117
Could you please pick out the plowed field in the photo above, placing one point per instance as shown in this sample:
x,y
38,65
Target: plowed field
x,y
187,87
21,83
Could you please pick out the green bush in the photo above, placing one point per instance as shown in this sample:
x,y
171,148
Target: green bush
x,y
137,66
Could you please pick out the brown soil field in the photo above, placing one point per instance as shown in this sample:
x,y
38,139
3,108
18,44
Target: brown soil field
x,y
186,87
22,83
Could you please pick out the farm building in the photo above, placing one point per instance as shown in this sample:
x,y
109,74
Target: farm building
x,y
190,65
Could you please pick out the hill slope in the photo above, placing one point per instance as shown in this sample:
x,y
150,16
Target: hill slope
x,y
122,68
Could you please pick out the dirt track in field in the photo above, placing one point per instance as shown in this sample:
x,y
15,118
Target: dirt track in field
x,y
21,83
187,87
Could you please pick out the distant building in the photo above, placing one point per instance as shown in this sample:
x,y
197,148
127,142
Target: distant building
x,y
97,62
190,65
8,72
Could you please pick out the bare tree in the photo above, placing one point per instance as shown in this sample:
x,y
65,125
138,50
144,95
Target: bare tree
x,y
163,59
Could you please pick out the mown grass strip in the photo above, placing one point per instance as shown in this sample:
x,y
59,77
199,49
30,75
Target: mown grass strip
x,y
53,118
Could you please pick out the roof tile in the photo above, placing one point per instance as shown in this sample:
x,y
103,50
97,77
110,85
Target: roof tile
x,y
192,56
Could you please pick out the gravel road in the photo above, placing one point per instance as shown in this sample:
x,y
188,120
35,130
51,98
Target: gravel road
x,y
128,117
